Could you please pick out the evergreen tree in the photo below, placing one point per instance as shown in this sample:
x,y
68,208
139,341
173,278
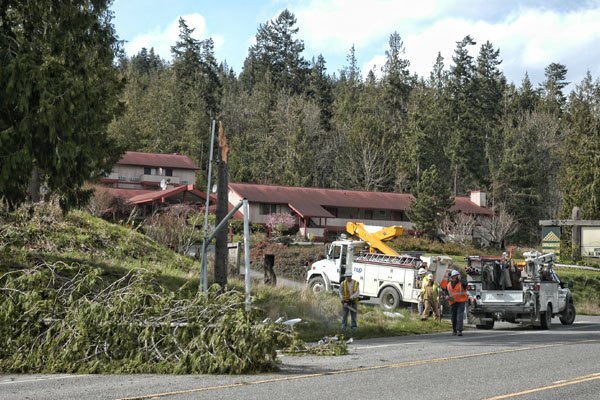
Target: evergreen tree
x,y
432,203
59,90
553,97
320,89
397,84
490,85
519,179
277,53
466,142
580,173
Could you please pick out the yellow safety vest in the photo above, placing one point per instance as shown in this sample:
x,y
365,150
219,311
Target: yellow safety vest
x,y
346,293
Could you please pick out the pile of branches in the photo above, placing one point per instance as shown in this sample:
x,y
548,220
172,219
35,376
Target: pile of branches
x,y
70,318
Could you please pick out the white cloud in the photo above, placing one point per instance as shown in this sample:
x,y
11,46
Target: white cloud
x,y
334,26
163,39
530,34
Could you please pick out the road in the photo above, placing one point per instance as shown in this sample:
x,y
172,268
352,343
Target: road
x,y
509,362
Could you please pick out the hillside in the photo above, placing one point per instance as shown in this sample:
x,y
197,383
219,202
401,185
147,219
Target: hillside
x,y
78,294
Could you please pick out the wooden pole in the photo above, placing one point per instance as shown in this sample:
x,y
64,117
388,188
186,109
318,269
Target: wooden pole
x,y
576,235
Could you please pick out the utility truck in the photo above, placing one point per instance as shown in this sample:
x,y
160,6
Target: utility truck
x,y
380,271
499,290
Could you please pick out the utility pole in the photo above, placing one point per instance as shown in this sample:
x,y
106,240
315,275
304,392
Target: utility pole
x,y
203,287
221,250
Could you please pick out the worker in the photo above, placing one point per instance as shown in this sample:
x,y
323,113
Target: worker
x,y
349,295
431,298
457,293
419,284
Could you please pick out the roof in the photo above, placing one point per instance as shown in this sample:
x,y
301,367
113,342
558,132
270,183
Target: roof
x,y
179,194
311,202
122,193
157,160
466,206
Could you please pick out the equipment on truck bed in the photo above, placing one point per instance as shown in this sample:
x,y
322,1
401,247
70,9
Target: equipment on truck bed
x,y
504,292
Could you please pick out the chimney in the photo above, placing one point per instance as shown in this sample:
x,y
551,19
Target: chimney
x,y
478,197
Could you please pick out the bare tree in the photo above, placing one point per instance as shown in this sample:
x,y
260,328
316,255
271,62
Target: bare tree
x,y
498,227
175,227
459,227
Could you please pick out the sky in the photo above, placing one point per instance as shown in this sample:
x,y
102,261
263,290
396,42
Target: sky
x,y
530,34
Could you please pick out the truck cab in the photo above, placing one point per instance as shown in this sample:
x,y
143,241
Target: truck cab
x,y
326,274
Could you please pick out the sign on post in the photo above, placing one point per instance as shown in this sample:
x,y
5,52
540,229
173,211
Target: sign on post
x,y
551,239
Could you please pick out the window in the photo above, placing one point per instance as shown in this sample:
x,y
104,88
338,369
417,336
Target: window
x,y
380,214
398,216
266,208
367,214
168,172
147,171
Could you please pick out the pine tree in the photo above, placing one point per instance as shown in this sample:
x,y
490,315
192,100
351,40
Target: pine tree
x,y
466,142
277,54
490,85
59,90
432,203
580,173
320,89
553,97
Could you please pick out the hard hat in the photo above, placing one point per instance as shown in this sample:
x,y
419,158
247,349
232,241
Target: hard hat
x,y
430,276
421,271
454,273
348,273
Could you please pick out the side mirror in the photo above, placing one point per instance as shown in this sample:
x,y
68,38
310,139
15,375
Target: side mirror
x,y
570,284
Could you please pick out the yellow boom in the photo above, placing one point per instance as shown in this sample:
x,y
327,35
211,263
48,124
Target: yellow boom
x,y
376,239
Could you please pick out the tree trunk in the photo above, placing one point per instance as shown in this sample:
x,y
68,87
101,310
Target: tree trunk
x,y
34,185
456,180
221,250
270,278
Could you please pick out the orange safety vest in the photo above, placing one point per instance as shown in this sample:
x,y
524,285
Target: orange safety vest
x,y
458,293
444,282
346,293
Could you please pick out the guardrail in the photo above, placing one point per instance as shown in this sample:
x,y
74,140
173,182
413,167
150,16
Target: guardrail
x,y
577,267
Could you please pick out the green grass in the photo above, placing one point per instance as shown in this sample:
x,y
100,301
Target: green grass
x,y
321,314
586,289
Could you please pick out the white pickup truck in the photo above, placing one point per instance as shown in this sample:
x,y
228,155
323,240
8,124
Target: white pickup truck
x,y
391,278
502,292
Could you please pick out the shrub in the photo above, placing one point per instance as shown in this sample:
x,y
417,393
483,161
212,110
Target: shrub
x,y
280,222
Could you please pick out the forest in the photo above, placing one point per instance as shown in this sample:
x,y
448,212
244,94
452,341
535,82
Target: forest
x,y
535,150
290,121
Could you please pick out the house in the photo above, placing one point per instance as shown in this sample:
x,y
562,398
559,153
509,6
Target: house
x,y
151,180
323,213
137,170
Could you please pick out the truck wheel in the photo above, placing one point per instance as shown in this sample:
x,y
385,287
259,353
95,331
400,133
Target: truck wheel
x,y
317,285
568,315
546,317
390,298
486,325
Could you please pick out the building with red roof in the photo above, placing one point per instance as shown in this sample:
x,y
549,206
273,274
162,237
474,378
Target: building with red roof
x,y
323,213
137,170
151,180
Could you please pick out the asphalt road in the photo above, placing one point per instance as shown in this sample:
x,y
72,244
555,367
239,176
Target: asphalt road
x,y
509,362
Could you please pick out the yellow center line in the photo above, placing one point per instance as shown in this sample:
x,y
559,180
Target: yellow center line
x,y
573,381
358,369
